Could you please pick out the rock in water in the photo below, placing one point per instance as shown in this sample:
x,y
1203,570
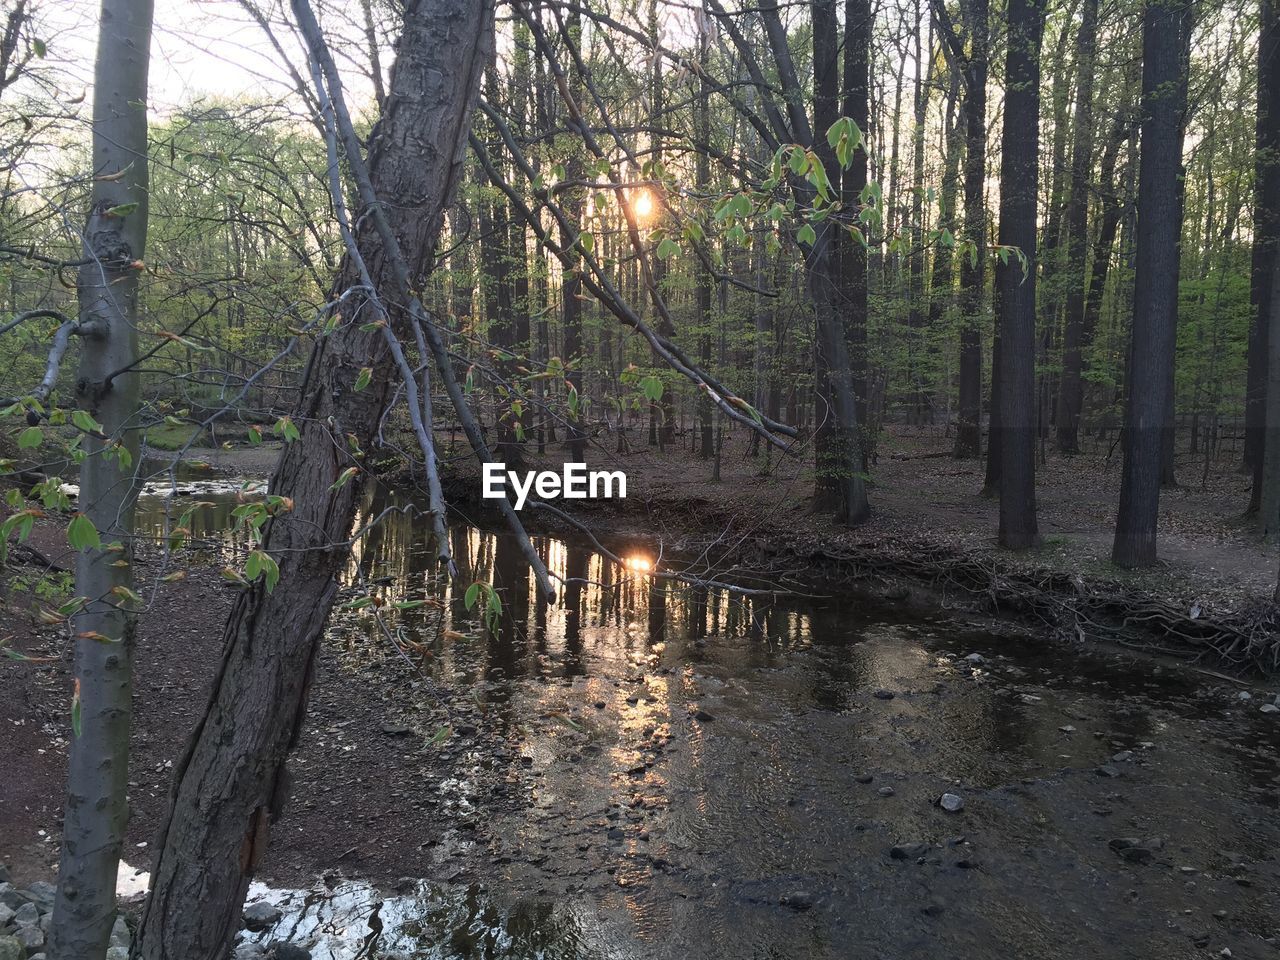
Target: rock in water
x,y
951,803
120,936
258,916
797,900
909,851
287,951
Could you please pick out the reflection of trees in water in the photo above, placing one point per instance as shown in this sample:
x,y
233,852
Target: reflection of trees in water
x,y
576,564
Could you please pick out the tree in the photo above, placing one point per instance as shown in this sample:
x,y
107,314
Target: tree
x,y
107,391
213,838
1165,28
1071,386
973,56
1266,236
1016,275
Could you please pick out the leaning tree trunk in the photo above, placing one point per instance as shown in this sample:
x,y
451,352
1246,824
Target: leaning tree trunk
x,y
231,783
97,779
1019,178
1155,281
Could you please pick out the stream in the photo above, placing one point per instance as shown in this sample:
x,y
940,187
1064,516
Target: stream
x,y
649,770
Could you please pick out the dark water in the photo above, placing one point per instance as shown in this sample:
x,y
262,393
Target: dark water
x,y
703,775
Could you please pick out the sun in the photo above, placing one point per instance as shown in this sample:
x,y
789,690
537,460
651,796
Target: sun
x,y
643,204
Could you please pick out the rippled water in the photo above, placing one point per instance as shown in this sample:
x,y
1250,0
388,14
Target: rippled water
x,y
701,775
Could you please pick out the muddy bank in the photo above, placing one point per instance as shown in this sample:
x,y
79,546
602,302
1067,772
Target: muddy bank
x,y
932,536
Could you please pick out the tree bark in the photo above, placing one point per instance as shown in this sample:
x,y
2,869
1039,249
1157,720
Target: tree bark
x,y
232,780
97,779
1266,236
1269,515
973,264
1071,393
1155,282
1019,180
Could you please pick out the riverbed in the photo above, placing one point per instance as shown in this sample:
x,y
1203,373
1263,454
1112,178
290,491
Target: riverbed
x,y
649,769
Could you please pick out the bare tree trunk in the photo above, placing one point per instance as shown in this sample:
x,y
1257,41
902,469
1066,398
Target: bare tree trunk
x,y
232,781
1070,394
1269,515
1019,178
1266,235
1155,284
116,235
973,264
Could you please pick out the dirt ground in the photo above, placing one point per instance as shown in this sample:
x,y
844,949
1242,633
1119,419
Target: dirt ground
x,y
1210,555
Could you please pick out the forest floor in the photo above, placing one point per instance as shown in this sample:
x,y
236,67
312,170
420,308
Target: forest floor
x,y
1210,554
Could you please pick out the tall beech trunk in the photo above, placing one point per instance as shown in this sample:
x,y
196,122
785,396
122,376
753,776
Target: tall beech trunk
x,y
1269,513
1071,393
1019,180
973,266
571,279
1266,235
97,777
840,463
1155,282
231,783
702,273
858,20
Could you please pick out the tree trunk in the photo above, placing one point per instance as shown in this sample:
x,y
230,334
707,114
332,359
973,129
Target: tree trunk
x,y
571,282
1155,282
973,263
858,20
1266,235
232,780
1269,515
1019,180
97,779
1071,394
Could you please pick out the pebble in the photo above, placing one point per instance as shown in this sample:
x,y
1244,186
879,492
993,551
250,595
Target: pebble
x,y
1106,770
976,658
885,791
702,716
797,900
883,694
1269,708
287,951
951,803
260,915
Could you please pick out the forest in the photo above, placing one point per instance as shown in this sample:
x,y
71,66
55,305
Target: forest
x,y
639,478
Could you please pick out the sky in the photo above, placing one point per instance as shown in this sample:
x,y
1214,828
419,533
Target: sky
x,y
199,48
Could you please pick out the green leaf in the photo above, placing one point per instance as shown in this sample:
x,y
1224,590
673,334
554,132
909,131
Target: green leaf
x,y
39,46
362,381
286,428
344,478
472,594
122,210
85,422
807,235
667,248
82,534
76,718
30,438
